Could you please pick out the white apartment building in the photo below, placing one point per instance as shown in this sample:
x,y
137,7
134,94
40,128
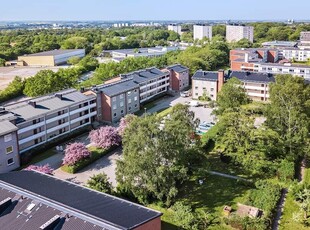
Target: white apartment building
x,y
296,54
202,31
287,68
235,33
46,118
175,28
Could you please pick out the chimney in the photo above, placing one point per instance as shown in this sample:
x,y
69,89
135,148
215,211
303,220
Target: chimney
x,y
220,79
246,57
82,89
32,103
59,95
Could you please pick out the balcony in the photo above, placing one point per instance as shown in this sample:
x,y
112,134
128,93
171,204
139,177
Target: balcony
x,y
82,109
58,117
57,127
31,138
83,117
154,83
31,127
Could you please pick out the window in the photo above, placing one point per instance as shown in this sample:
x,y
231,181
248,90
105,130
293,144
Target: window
x,y
121,96
10,161
122,111
8,138
128,93
135,90
129,100
9,149
211,95
121,104
114,114
136,98
204,88
196,87
114,99
129,108
136,105
196,94
212,89
114,106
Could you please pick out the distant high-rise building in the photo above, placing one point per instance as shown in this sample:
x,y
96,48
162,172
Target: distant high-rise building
x,y
238,32
305,37
202,31
175,28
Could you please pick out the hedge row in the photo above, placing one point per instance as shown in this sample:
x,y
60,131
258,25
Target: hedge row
x,y
96,153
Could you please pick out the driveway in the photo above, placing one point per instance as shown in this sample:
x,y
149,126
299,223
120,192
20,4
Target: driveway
x,y
106,164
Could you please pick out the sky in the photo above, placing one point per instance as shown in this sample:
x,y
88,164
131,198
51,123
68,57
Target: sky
x,y
57,10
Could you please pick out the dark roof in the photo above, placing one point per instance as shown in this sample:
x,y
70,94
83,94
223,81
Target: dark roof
x,y
84,203
177,68
118,87
205,75
54,52
245,76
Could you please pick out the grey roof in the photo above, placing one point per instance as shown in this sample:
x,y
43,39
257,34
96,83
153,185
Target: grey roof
x,y
177,68
205,75
245,76
280,43
285,65
117,88
86,204
47,104
144,75
54,52
6,127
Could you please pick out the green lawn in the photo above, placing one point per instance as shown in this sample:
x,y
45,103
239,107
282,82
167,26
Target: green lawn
x,y
211,196
40,157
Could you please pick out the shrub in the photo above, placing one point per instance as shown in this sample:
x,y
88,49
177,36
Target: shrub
x,y
100,182
105,137
74,153
125,121
40,168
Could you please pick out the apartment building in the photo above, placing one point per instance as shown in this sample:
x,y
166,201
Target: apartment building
x,y
255,84
279,44
176,28
9,154
210,83
235,33
117,99
179,77
202,31
296,54
125,94
46,118
286,68
207,83
246,58
305,37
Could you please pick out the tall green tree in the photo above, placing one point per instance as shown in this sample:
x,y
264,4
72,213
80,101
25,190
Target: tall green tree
x,y
289,113
100,182
231,96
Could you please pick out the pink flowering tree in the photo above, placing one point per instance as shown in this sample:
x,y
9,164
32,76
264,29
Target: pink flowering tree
x,y
47,169
105,137
125,121
75,152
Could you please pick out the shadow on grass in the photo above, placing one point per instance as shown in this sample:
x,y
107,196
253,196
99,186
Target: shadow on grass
x,y
169,226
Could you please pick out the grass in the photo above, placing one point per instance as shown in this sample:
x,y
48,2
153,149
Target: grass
x,y
164,112
40,157
211,196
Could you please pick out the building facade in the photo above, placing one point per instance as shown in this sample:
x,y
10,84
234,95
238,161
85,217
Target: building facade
x,y
9,154
202,31
46,118
176,28
210,83
179,77
207,83
305,37
296,54
235,33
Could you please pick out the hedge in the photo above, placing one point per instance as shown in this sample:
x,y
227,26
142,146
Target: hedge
x,y
96,153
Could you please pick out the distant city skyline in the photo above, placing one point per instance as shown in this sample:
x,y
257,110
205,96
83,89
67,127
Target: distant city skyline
x,y
82,10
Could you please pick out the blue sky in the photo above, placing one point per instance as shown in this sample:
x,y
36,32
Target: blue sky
x,y
153,9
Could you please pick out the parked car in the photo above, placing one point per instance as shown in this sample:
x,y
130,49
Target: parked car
x,y
194,103
185,94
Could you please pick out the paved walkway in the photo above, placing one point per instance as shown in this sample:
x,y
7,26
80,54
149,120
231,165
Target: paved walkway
x,y
280,207
227,175
106,164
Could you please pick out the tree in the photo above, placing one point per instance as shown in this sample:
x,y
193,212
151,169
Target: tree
x,y
155,157
183,215
288,113
187,37
105,137
231,96
14,89
74,153
89,63
124,123
73,60
2,62
46,169
100,182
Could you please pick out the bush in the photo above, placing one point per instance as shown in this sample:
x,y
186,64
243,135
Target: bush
x,y
100,182
14,89
96,153
105,137
286,170
40,168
